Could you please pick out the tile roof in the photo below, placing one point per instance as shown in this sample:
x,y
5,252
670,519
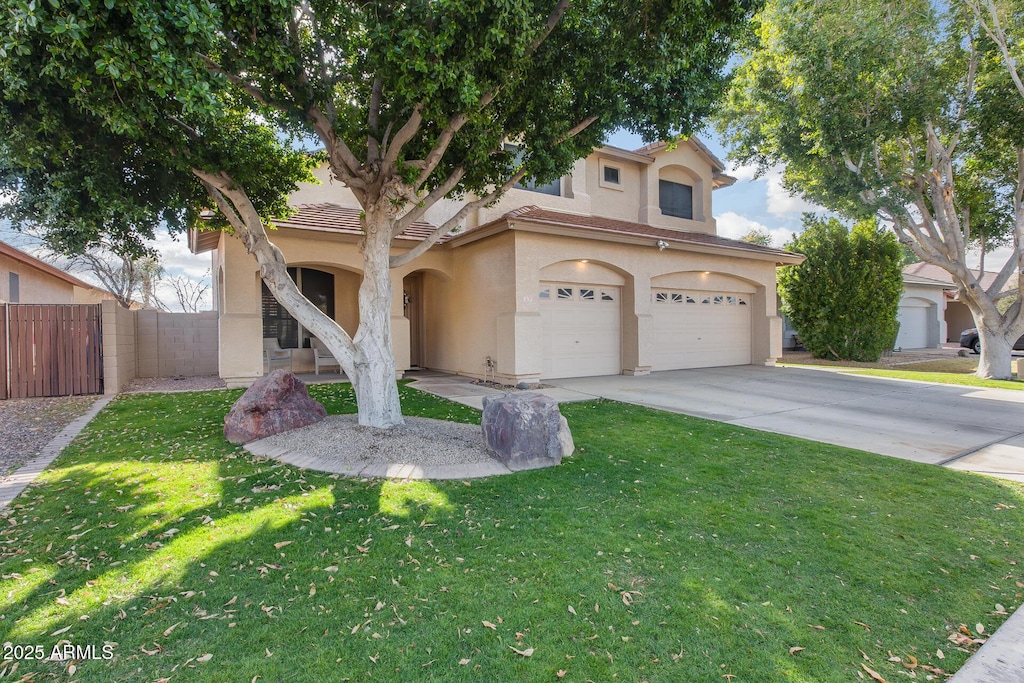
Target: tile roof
x,y
330,217
933,272
911,279
614,226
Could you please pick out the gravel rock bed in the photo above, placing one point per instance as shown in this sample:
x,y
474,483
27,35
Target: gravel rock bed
x,y
28,424
170,384
339,439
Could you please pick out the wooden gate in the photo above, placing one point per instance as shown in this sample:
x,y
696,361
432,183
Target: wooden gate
x,y
3,352
53,350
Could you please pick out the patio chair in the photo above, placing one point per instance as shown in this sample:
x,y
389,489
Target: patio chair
x,y
322,358
274,356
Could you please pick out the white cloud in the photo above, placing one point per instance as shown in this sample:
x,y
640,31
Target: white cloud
x,y
735,226
780,201
744,173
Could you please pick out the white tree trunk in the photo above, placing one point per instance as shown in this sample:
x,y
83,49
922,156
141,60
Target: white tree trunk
x,y
996,352
374,377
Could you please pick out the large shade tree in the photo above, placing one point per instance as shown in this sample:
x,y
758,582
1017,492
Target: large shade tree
x,y
176,106
911,111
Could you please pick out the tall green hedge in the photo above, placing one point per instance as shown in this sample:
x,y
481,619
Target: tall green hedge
x,y
844,298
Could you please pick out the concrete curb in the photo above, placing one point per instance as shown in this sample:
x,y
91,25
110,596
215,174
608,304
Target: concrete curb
x,y
1001,659
12,487
400,471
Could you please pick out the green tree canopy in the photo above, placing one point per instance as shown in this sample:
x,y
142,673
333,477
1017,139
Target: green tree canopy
x,y
912,112
844,297
120,114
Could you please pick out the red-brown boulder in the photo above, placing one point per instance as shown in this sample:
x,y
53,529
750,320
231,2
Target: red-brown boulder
x,y
273,404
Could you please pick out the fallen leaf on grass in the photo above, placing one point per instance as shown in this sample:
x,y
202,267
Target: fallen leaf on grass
x,y
281,544
874,674
794,650
204,658
939,654
911,662
863,625
572,610
463,662
561,673
151,652
489,625
61,630
171,628
528,652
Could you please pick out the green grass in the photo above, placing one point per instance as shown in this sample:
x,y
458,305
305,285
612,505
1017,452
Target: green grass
x,y
943,378
667,548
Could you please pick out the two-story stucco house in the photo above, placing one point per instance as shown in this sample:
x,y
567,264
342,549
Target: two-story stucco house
x,y
615,268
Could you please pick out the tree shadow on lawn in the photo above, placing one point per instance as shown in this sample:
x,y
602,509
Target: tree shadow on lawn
x,y
667,548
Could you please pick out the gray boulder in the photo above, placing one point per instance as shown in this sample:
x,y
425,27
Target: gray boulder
x,y
526,431
273,404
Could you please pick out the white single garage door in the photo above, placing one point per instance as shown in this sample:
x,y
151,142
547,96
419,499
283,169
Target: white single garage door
x,y
913,318
700,329
580,330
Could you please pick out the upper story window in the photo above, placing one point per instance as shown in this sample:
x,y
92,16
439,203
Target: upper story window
x,y
675,199
553,188
610,175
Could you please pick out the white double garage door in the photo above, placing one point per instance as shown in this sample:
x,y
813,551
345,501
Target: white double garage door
x,y
582,329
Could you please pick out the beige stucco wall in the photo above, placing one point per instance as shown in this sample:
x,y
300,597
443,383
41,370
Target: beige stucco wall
x,y
958,319
119,349
683,165
583,191
241,319
35,287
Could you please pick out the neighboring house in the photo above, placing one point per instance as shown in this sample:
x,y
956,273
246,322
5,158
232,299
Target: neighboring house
x,y
922,313
615,268
24,279
957,316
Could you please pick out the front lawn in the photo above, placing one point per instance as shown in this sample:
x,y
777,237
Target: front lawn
x,y
951,371
668,548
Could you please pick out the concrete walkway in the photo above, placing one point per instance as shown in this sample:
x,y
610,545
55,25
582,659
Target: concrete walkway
x,y
12,486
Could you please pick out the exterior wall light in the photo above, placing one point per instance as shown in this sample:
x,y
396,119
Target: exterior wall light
x,y
661,244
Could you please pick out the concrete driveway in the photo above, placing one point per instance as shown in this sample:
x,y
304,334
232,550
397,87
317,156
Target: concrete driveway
x,y
980,430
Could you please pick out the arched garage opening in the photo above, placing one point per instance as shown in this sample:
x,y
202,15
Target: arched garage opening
x,y
919,324
580,305
700,320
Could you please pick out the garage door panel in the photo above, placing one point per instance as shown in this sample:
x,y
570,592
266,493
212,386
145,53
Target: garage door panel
x,y
696,329
914,323
580,330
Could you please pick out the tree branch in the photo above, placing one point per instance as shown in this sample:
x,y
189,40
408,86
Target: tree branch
x,y
451,223
404,135
243,217
434,196
372,143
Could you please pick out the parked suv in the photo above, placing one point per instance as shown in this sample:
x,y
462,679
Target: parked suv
x,y
969,340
